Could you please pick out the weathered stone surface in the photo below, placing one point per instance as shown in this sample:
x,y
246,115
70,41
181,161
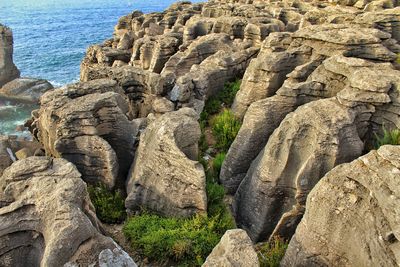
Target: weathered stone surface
x,y
165,176
141,86
115,258
10,145
86,123
266,74
197,52
234,250
25,89
8,71
46,216
151,53
261,119
352,216
308,143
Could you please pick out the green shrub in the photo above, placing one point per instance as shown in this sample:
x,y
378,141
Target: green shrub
x,y
212,106
218,161
186,241
223,98
110,206
271,253
227,95
225,127
390,137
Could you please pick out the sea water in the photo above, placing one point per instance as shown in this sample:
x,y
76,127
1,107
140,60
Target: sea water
x,y
51,37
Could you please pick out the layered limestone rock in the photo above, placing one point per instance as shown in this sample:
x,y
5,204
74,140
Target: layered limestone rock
x,y
234,249
355,68
8,71
165,176
195,49
308,143
47,218
25,89
352,216
86,123
274,94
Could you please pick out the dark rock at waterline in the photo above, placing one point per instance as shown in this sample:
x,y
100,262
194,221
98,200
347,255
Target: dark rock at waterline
x,y
8,71
25,89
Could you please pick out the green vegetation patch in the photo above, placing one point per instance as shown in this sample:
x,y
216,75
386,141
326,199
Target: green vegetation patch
x,y
110,206
390,137
223,98
270,254
185,241
225,127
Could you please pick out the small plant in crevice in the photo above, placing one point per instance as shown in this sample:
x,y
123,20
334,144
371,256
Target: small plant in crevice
x,y
225,127
224,98
227,95
389,137
271,253
218,161
110,205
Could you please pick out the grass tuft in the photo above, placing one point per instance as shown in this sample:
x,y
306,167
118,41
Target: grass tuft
x,y
271,253
225,127
390,137
110,206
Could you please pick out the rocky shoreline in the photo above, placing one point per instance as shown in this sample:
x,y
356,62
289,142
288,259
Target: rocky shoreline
x,y
319,83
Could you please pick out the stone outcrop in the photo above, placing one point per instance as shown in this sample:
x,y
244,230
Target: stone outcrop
x,y
47,218
320,79
86,123
234,249
25,89
193,48
354,71
13,148
165,176
352,216
8,71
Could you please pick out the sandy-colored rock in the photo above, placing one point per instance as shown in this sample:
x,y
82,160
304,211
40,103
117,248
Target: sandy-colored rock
x,y
86,123
234,250
8,71
165,176
308,143
351,217
46,216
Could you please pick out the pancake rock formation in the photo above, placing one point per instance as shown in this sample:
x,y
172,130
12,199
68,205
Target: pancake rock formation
x,y
165,176
86,123
351,217
47,218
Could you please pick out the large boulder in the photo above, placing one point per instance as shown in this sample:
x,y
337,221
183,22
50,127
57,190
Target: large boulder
x,y
47,218
308,143
234,250
352,215
165,176
8,71
86,123
25,89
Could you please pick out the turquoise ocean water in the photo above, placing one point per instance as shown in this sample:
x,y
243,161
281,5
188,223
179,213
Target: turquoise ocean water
x,y
51,37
